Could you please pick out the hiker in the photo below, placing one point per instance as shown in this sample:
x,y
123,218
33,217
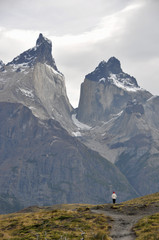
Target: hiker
x,y
114,196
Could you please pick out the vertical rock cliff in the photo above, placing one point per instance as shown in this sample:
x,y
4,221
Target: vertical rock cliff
x,y
32,78
106,91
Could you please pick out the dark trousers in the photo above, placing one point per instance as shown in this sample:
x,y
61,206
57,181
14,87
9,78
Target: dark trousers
x,y
114,200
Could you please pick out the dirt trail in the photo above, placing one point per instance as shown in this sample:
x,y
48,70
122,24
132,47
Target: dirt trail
x,y
121,225
122,222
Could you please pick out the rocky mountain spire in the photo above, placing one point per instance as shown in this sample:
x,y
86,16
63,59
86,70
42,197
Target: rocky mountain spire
x,y
2,65
114,66
41,53
44,49
105,92
33,79
112,70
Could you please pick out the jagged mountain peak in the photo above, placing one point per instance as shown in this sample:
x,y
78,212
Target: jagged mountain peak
x,y
41,53
43,40
102,64
106,91
2,65
114,65
111,72
33,79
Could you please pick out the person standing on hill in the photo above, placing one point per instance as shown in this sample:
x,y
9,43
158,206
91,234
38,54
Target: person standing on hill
x,y
114,196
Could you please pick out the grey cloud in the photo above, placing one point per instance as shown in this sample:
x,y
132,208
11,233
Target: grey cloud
x,y
134,40
59,17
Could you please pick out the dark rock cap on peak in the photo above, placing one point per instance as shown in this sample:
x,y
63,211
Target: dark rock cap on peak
x,y
114,65
42,53
104,69
41,39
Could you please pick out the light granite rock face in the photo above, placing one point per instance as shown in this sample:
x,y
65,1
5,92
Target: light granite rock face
x,y
106,91
152,111
50,89
33,79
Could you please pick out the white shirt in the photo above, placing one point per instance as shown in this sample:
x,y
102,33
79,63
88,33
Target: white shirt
x,y
114,196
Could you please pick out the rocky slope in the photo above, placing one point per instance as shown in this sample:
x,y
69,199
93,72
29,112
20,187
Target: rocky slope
x,y
130,140
41,164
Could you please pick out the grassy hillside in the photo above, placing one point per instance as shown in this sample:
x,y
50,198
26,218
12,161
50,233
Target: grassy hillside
x,y
148,228
54,224
71,220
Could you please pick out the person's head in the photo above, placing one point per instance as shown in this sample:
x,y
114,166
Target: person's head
x,y
113,192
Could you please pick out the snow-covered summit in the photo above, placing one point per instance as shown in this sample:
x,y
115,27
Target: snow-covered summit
x,y
111,73
42,53
124,81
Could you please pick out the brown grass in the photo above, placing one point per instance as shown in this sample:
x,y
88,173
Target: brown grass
x,y
54,224
148,228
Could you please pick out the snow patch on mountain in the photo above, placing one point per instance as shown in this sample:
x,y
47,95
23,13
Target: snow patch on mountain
x,y
102,80
124,83
24,67
153,97
76,134
80,125
27,92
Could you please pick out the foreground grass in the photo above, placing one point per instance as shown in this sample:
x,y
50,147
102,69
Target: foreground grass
x,y
54,224
69,221
148,228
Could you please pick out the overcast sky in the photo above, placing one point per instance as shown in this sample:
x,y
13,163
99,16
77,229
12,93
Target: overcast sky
x,y
85,32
